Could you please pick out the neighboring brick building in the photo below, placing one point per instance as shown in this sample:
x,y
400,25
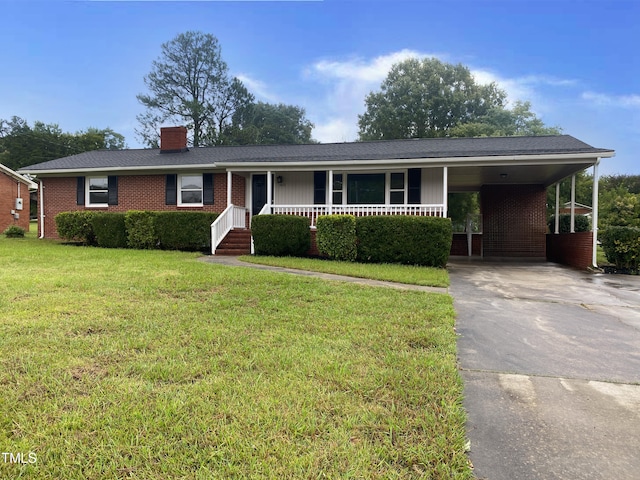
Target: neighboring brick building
x,y
406,177
15,202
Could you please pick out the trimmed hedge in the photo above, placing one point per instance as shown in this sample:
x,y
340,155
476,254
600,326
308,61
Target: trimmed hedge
x,y
336,236
281,235
141,229
109,229
582,223
184,230
621,245
76,226
404,239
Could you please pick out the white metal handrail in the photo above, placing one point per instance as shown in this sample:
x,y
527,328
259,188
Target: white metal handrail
x,y
314,211
232,217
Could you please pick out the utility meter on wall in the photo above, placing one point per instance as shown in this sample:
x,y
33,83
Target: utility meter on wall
x,y
18,204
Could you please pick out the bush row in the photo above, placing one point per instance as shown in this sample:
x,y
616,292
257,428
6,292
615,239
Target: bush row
x,y
138,229
375,239
621,246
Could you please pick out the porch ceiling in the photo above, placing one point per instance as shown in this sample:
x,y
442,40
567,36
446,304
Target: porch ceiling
x,y
471,178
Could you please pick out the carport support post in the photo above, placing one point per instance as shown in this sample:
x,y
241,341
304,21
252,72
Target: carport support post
x,y
557,217
573,203
594,213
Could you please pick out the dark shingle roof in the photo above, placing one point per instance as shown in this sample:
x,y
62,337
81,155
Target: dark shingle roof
x,y
428,148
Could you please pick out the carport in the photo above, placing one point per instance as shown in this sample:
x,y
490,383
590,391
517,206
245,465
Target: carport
x,y
513,197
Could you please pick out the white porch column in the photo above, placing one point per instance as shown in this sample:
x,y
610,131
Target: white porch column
x,y
573,204
557,216
330,190
594,214
229,189
269,189
445,191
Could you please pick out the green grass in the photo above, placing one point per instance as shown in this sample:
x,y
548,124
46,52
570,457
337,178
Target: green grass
x,y
409,274
152,365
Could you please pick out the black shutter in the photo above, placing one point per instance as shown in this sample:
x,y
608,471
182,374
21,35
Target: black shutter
x,y
112,182
319,188
171,190
414,181
207,184
80,191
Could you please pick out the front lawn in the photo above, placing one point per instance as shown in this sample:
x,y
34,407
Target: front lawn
x,y
152,365
409,274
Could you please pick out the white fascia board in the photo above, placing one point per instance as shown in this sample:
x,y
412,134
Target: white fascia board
x,y
65,172
18,177
428,162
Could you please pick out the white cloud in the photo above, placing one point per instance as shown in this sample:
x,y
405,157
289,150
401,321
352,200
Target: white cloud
x,y
258,88
603,99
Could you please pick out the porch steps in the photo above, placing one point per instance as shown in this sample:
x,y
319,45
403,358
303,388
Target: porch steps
x,y
237,242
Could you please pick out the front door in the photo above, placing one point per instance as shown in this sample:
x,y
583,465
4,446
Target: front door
x,y
258,193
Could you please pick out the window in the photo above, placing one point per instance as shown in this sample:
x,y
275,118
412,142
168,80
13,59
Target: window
x,y
337,189
365,188
396,189
97,191
190,190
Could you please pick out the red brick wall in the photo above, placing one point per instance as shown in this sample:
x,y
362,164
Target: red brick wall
x,y
135,192
513,220
8,195
573,249
173,138
459,245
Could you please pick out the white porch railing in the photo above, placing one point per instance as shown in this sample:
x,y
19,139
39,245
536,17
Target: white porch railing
x,y
232,217
314,211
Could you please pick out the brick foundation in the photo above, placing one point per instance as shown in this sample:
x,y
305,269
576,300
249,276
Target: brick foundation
x,y
514,220
573,249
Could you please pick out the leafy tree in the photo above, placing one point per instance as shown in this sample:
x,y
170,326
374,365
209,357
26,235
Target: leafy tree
x,y
265,123
190,84
22,145
426,98
504,122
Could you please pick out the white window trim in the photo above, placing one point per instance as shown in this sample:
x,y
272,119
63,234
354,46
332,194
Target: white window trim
x,y
179,189
404,189
87,190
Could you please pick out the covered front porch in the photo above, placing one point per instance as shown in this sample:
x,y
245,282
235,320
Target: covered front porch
x,y
312,193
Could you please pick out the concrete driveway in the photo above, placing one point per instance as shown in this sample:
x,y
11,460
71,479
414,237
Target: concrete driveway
x,y
550,359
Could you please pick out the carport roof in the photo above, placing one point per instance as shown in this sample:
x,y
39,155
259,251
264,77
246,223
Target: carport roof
x,y
479,153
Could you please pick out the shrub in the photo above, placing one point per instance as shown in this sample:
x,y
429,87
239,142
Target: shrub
x,y
621,245
14,231
404,239
281,235
76,226
109,229
141,229
336,236
582,223
184,230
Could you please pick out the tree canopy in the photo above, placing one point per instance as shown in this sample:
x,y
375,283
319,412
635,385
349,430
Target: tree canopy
x,y
22,145
430,98
265,123
190,84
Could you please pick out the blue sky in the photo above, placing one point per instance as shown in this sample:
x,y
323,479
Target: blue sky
x,y
80,64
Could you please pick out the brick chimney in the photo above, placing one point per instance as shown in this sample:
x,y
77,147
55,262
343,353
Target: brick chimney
x,y
173,140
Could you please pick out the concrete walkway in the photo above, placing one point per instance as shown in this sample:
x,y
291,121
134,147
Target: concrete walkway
x,y
550,359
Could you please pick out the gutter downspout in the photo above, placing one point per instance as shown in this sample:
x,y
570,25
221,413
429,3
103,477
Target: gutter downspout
x,y
41,210
594,214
